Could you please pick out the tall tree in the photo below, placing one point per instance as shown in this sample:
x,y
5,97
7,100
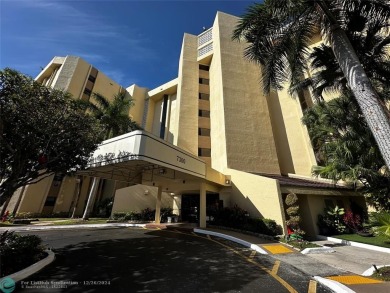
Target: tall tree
x,y
279,33
42,131
344,145
113,115
371,41
346,150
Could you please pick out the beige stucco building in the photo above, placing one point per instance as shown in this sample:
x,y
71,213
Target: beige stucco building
x,y
210,136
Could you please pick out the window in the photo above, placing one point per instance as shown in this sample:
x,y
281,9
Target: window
x,y
87,92
204,131
204,81
204,67
91,78
205,97
204,113
204,152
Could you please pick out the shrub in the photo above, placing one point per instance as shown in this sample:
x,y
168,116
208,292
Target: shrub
x,y
147,214
325,225
291,199
119,216
335,215
132,216
105,206
26,215
381,223
165,213
238,218
353,221
293,214
273,228
231,217
18,252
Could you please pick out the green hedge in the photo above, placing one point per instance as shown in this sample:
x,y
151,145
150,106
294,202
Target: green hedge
x,y
238,218
18,252
145,215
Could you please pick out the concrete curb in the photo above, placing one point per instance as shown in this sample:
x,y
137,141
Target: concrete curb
x,y
333,285
231,238
25,273
317,250
54,227
371,270
356,244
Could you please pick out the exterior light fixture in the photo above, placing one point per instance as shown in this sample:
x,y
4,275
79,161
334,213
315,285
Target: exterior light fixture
x,y
227,181
146,192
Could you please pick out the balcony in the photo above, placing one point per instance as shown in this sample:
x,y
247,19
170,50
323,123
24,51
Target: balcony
x,y
205,37
205,45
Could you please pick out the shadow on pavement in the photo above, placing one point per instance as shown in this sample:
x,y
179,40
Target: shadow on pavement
x,y
167,262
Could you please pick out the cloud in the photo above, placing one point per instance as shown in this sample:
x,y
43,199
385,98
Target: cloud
x,y
77,32
92,58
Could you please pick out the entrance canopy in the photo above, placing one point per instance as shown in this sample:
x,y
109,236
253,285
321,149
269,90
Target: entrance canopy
x,y
139,157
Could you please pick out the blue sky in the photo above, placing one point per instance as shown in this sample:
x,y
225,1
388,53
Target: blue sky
x,y
130,41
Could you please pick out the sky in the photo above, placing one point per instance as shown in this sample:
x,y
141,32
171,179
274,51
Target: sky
x,y
130,41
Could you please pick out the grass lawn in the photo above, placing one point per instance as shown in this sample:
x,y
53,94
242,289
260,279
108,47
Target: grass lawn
x,y
7,224
51,219
375,240
79,221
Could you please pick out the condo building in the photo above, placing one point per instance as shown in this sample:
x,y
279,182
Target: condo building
x,y
210,137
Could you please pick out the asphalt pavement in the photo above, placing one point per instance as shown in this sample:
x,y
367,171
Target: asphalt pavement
x,y
153,260
121,259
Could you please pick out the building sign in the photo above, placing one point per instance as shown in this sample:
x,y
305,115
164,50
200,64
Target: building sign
x,y
140,145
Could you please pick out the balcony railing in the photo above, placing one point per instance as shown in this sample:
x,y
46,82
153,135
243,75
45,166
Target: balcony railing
x,y
206,49
205,37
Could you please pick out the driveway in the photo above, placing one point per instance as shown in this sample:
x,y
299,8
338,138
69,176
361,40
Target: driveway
x,y
140,260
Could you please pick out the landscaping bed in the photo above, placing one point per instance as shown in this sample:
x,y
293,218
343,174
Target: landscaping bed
x,y
300,244
19,251
382,274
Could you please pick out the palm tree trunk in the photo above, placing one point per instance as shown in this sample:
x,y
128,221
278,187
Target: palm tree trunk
x,y
367,98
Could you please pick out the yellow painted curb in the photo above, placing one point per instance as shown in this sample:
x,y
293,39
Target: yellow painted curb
x,y
276,249
354,279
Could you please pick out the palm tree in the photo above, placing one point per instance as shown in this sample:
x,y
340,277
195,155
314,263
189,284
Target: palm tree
x,y
371,44
346,149
114,116
343,144
279,34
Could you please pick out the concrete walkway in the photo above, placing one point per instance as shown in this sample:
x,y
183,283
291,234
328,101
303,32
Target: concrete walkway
x,y
353,259
341,269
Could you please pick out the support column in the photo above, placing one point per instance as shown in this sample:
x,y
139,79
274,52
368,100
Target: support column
x,y
158,206
202,207
91,198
